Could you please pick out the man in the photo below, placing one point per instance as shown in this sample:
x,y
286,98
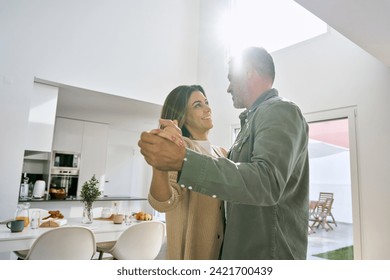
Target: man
x,y
265,180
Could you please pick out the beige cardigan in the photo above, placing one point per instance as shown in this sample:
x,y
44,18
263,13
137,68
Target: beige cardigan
x,y
195,222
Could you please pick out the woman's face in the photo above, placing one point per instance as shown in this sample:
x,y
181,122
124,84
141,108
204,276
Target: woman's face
x,y
198,116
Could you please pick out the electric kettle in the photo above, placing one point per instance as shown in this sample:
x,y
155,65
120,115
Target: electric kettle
x,y
39,189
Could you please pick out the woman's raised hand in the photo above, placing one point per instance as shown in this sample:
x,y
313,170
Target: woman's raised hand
x,y
170,130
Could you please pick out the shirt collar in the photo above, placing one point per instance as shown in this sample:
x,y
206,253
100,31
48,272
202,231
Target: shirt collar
x,y
265,96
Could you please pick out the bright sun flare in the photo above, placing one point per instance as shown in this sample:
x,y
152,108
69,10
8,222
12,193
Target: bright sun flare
x,y
272,24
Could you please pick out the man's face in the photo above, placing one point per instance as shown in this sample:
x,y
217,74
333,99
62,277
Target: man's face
x,y
237,84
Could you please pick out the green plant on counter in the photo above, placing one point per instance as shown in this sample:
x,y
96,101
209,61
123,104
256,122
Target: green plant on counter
x,y
90,191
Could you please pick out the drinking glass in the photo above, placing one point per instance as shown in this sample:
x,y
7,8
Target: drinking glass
x,y
129,218
35,219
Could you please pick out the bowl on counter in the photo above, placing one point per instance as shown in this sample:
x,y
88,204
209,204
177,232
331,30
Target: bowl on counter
x,y
57,193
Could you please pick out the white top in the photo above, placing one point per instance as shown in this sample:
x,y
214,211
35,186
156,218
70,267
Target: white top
x,y
210,149
205,144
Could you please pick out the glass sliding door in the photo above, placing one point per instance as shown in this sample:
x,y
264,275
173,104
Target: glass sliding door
x,y
333,165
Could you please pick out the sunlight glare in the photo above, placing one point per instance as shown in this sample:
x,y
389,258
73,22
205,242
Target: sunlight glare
x,y
272,24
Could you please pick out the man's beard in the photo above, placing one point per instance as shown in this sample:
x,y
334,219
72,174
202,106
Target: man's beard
x,y
237,102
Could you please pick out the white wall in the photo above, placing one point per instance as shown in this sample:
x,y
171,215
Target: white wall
x,y
213,71
130,48
96,45
137,49
336,179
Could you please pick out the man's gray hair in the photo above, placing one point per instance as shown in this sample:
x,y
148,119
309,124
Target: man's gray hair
x,y
260,60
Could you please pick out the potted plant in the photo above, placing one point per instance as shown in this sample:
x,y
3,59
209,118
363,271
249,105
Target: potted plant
x,y
89,193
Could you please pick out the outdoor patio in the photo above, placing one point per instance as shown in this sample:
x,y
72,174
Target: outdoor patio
x,y
323,241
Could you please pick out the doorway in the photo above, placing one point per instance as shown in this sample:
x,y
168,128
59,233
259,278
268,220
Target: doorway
x,y
333,169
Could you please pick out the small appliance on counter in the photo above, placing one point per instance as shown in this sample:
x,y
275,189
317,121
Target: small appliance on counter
x,y
28,181
24,187
39,189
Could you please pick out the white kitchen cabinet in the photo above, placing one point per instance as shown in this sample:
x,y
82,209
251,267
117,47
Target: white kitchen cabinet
x,y
89,139
41,118
127,172
120,161
68,135
93,153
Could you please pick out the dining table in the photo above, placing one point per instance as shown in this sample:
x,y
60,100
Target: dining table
x,y
104,230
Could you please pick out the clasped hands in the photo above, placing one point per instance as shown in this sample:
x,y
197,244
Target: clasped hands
x,y
163,148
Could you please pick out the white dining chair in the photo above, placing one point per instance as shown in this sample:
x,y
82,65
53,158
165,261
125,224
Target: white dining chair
x,y
64,243
141,241
21,255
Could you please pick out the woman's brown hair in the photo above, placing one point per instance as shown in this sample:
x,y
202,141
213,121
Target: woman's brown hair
x,y
175,105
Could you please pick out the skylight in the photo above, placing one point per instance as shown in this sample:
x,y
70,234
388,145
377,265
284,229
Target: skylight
x,y
272,24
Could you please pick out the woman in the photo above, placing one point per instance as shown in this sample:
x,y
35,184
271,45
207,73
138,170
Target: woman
x,y
195,222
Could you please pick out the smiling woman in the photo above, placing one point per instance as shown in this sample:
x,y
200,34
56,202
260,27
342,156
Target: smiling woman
x,y
190,234
261,21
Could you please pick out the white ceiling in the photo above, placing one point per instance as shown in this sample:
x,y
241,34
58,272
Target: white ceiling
x,y
105,108
364,22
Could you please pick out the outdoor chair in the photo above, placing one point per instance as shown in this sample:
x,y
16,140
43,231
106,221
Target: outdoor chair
x,y
322,199
321,213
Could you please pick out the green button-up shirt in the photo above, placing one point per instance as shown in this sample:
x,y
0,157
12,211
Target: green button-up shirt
x,y
265,182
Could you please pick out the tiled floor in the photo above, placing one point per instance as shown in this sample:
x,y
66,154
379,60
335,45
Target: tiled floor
x,y
319,242
322,241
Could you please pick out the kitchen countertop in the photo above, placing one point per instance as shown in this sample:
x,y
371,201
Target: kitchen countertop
x,y
104,198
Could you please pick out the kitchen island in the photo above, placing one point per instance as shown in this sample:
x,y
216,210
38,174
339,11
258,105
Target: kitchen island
x,y
74,207
102,198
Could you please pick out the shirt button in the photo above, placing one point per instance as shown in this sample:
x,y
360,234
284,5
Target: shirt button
x,y
185,159
182,186
214,196
190,188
